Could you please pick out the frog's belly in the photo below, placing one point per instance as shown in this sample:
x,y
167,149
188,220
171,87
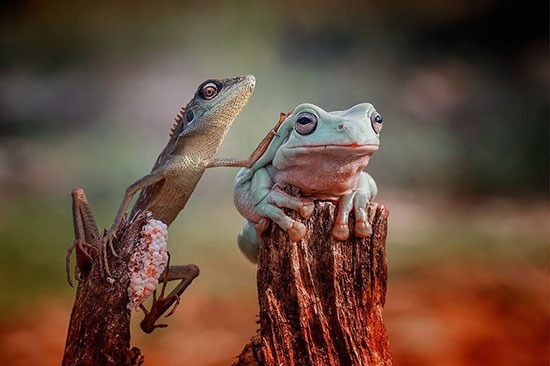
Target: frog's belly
x,y
330,177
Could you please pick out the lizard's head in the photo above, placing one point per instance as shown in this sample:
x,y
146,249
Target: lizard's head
x,y
216,104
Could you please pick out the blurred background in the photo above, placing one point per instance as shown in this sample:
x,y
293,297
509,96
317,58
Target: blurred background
x,y
88,92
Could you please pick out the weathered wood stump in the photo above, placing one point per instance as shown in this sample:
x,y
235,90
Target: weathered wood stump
x,y
99,328
321,299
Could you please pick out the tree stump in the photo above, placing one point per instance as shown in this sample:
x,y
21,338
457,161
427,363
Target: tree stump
x,y
99,328
321,299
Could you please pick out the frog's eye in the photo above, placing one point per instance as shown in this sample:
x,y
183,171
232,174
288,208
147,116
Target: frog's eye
x,y
209,91
305,123
376,122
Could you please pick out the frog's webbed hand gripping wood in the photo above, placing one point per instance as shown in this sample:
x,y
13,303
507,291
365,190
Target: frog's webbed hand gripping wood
x,y
197,134
321,153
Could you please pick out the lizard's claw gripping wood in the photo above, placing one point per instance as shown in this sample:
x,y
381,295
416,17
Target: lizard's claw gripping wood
x,y
81,247
162,304
107,242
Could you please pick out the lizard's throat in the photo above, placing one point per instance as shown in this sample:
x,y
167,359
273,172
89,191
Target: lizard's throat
x,y
205,143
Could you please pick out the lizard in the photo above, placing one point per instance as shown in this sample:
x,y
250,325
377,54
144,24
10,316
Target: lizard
x,y
321,153
196,135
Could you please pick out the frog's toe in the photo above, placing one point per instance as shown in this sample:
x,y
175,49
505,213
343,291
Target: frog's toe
x,y
261,226
340,232
297,231
363,229
283,200
307,209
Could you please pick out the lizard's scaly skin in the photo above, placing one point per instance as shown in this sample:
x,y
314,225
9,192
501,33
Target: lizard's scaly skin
x,y
193,143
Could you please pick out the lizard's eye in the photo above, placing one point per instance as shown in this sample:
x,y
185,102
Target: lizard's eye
x,y
209,91
305,123
376,122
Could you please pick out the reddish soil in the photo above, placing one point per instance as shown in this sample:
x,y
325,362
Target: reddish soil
x,y
448,317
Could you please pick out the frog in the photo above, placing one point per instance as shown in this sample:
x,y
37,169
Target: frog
x,y
324,155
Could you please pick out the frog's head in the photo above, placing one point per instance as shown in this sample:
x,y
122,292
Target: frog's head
x,y
353,131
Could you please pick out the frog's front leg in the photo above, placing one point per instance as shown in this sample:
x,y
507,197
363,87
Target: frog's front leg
x,y
357,201
269,200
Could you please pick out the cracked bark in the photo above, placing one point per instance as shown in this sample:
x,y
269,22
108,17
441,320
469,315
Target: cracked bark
x,y
99,328
321,299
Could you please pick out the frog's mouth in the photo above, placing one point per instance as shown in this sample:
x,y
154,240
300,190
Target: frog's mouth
x,y
359,148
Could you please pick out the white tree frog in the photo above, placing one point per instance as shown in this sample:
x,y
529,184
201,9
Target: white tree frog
x,y
321,153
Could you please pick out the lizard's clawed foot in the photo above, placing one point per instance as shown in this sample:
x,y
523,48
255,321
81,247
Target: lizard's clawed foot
x,y
104,262
107,244
83,258
108,241
162,304
159,306
148,324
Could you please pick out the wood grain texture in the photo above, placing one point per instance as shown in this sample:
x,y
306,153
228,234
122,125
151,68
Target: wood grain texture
x,y
99,328
321,299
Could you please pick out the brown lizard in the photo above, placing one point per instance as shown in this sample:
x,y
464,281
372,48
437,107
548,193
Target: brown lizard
x,y
198,132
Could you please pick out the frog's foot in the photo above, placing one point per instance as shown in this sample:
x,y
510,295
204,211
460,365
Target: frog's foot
x,y
357,201
249,239
297,231
282,199
271,206
261,226
340,231
363,228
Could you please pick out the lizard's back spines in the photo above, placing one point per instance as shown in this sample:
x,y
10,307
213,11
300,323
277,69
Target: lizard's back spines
x,y
177,120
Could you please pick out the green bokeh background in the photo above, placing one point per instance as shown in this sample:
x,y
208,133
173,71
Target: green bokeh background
x,y
89,91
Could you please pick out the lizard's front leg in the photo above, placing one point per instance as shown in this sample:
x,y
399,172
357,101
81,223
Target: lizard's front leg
x,y
186,274
149,179
357,200
255,155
